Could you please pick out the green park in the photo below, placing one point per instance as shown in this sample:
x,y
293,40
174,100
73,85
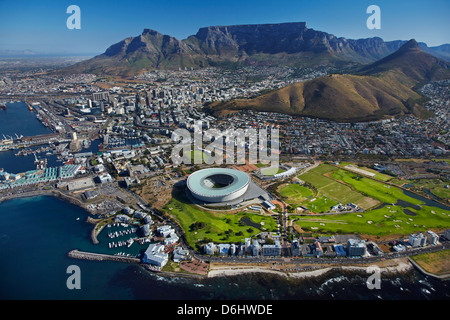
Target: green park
x,y
388,209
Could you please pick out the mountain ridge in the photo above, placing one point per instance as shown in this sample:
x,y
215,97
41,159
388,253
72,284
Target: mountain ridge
x,y
290,43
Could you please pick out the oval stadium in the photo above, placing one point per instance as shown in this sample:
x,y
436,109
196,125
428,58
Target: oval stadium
x,y
216,185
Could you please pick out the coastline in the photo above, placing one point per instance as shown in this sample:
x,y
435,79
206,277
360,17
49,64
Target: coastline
x,y
228,269
402,265
52,192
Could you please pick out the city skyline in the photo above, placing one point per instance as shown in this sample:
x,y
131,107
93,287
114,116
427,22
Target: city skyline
x,y
41,27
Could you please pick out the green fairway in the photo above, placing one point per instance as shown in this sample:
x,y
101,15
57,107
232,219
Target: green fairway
x,y
297,195
383,221
205,226
296,192
435,186
374,189
271,171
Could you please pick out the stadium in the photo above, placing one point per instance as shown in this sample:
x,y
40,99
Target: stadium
x,y
218,185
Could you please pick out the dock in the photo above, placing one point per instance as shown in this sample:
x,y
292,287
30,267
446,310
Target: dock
x,y
76,254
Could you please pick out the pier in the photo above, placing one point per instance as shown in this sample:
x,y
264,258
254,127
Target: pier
x,y
76,254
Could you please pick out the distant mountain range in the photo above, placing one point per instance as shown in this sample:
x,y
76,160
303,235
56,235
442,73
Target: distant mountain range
x,y
376,91
17,53
258,44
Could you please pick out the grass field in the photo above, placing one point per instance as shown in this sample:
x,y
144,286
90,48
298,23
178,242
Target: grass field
x,y
271,171
297,195
436,262
377,175
338,192
383,221
413,216
216,227
374,189
436,186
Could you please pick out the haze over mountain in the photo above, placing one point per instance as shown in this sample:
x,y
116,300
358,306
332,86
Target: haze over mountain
x,y
379,90
258,44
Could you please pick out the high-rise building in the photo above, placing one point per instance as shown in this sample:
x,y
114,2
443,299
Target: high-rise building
x,y
272,249
356,248
432,237
417,240
98,96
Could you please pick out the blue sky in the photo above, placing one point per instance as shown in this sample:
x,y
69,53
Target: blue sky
x,y
40,25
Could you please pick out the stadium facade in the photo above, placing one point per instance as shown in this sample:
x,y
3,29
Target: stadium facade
x,y
218,185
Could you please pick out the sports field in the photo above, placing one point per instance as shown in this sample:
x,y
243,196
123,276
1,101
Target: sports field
x,y
321,178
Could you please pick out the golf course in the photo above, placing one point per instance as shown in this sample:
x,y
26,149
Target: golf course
x,y
388,208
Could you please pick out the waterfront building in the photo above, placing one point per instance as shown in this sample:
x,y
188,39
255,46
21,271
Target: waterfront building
x,y
295,248
255,248
210,248
180,254
122,218
318,251
272,249
356,248
165,231
155,255
146,230
417,240
171,239
339,249
432,237
224,249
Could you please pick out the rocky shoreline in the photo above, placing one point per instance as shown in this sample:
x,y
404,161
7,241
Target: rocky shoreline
x,y
402,265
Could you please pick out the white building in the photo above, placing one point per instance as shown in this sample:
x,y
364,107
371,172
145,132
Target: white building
x,y
165,231
103,178
272,249
356,248
417,240
210,248
171,239
155,255
432,237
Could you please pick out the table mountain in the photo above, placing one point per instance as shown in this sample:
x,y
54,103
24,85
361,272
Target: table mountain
x,y
259,44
